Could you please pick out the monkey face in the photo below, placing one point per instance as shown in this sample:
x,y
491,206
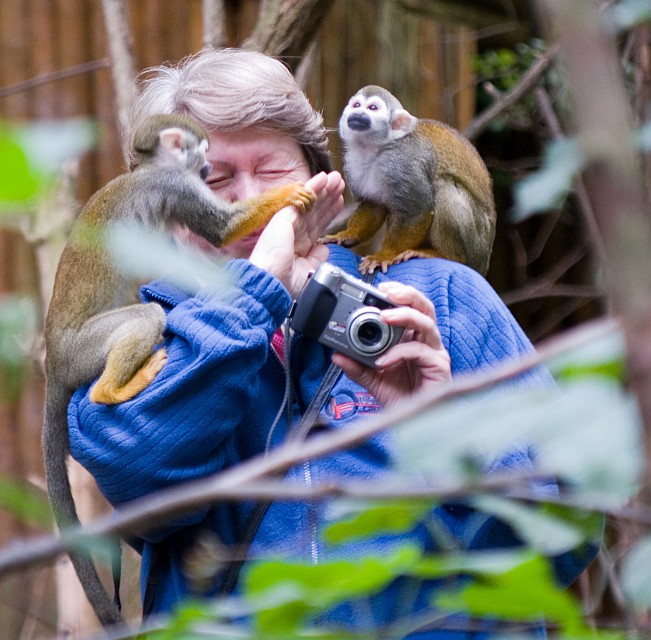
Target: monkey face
x,y
371,120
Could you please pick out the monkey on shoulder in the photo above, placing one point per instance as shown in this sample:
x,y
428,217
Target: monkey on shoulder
x,y
95,327
421,177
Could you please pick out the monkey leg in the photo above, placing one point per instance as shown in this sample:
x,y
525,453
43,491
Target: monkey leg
x,y
362,225
401,242
254,213
105,392
119,344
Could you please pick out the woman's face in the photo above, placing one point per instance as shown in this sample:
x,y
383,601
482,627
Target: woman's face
x,y
244,164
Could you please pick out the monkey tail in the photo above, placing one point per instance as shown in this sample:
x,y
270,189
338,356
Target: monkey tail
x,y
56,447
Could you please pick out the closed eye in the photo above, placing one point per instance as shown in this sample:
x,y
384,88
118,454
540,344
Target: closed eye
x,y
218,182
272,173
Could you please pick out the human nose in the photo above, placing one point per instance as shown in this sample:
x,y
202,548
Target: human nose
x,y
244,186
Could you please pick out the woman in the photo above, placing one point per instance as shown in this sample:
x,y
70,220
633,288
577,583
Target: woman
x,y
214,403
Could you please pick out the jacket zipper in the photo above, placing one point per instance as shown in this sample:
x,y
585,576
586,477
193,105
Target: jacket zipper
x,y
311,517
307,476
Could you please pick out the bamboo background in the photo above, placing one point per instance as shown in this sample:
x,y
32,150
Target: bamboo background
x,y
53,64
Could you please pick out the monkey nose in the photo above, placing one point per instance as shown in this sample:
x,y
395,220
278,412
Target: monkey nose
x,y
359,121
205,171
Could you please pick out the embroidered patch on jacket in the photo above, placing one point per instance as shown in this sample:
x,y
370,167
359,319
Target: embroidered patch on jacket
x,y
347,403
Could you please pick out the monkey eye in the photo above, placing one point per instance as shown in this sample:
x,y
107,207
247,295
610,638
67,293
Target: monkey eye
x,y
357,104
373,107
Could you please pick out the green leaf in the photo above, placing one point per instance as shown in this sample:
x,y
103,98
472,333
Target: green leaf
x,y
387,517
602,356
145,253
31,154
636,577
18,322
49,143
285,594
524,593
19,182
541,531
627,13
587,432
546,188
25,502
475,563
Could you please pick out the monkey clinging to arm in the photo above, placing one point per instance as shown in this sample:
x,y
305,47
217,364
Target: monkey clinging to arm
x,y
420,176
95,326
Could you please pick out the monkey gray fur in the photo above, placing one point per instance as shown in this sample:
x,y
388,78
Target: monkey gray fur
x,y
421,177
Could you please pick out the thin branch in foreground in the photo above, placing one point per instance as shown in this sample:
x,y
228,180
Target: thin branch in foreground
x,y
510,98
148,512
54,76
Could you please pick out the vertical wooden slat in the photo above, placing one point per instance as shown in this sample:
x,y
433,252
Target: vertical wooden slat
x,y
13,56
431,80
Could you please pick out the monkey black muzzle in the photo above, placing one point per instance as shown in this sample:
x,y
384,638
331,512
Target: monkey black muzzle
x,y
205,171
359,122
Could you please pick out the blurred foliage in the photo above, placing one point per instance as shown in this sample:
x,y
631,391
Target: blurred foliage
x,y
583,426
586,432
18,327
498,71
25,502
31,155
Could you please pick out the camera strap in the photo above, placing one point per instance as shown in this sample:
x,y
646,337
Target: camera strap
x,y
298,434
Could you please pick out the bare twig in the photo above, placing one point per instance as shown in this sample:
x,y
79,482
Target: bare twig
x,y
148,512
120,41
285,29
549,115
613,180
214,32
543,284
54,76
551,290
510,98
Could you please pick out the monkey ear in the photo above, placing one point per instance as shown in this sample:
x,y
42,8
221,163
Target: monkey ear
x,y
172,138
402,123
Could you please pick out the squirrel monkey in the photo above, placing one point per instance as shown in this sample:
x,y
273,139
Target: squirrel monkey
x,y
95,325
420,176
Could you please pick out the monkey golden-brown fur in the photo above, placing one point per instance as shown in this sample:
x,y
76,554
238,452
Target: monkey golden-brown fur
x,y
95,325
421,177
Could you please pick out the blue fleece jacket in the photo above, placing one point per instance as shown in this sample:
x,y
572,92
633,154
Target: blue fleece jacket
x,y
214,401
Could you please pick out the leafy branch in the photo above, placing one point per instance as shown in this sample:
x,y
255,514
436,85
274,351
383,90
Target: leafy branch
x,y
243,481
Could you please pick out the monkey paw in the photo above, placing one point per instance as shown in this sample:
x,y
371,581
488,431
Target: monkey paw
x,y
302,198
376,261
154,364
339,238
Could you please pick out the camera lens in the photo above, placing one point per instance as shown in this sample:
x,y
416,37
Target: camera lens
x,y
367,334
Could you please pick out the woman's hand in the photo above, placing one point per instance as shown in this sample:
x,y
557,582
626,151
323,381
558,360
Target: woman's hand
x,y
418,362
288,247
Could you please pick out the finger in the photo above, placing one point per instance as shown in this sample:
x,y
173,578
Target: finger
x,y
432,363
318,182
407,295
423,326
356,371
316,255
335,183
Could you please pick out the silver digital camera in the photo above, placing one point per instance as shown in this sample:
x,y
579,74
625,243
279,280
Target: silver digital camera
x,y
343,312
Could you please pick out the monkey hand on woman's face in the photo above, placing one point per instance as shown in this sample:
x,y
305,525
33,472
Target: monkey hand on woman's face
x,y
95,327
421,177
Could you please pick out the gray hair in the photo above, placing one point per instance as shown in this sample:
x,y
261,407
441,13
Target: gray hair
x,y
231,89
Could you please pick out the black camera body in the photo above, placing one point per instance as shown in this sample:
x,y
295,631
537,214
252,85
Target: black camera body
x,y
343,312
